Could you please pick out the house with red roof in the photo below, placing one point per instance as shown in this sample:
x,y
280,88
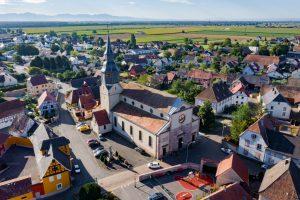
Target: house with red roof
x,y
137,70
9,110
231,170
47,104
100,122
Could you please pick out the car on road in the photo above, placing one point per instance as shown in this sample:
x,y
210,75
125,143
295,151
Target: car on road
x,y
157,196
154,165
77,169
98,149
84,128
80,124
98,153
225,150
101,137
141,151
90,141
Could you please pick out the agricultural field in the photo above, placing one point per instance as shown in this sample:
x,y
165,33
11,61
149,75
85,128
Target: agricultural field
x,y
176,34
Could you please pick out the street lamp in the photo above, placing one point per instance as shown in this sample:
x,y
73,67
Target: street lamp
x,y
187,150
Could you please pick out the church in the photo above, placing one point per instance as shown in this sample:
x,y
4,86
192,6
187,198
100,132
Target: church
x,y
155,121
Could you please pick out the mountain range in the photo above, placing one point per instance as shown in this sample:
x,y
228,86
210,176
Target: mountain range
x,y
65,17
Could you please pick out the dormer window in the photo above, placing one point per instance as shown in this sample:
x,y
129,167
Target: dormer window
x,y
132,103
253,136
142,107
125,99
161,115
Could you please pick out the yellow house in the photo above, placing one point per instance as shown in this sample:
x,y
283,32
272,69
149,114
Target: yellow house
x,y
52,155
16,189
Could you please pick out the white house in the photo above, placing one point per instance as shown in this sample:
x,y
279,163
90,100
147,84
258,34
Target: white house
x,y
276,105
273,72
100,122
7,80
262,142
155,121
221,97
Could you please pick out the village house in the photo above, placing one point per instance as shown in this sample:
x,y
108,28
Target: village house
x,y
221,97
155,121
275,104
262,60
204,78
231,170
7,80
281,182
47,105
264,141
9,111
252,69
53,159
21,126
36,85
100,122
137,70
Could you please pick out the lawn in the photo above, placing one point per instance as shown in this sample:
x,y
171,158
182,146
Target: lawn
x,y
147,33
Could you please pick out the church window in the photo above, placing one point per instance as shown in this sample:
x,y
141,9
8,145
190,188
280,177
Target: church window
x,y
131,130
115,120
161,115
125,99
142,107
140,136
123,126
132,103
150,141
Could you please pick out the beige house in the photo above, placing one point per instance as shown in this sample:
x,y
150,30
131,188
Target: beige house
x,y
36,85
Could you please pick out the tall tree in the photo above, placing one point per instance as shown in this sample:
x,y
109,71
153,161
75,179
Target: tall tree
x,y
132,43
207,116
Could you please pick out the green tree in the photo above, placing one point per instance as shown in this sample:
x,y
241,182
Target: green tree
x,y
18,59
205,41
55,48
254,43
143,79
167,54
242,119
37,62
27,50
280,49
264,51
52,34
90,191
68,48
34,71
207,116
132,43
227,42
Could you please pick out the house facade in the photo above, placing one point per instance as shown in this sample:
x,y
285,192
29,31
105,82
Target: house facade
x,y
36,85
47,104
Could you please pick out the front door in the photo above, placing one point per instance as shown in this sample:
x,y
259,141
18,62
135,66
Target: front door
x,y
164,151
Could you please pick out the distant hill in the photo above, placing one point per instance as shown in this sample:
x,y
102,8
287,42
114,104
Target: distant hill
x,y
65,17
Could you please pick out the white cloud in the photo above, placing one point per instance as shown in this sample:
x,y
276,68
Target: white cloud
x,y
21,1
131,2
179,1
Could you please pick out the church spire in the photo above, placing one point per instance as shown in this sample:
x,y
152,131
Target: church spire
x,y
110,71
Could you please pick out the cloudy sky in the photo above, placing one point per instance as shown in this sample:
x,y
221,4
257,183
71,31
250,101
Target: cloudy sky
x,y
163,9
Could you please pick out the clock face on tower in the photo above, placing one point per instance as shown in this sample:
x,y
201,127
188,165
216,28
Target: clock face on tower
x,y
181,118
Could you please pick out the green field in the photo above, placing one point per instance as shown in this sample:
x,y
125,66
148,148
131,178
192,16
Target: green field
x,y
174,33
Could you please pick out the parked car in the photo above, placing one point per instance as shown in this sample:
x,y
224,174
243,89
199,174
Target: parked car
x,y
154,165
138,149
225,150
92,141
80,124
157,196
98,149
84,128
100,152
101,137
77,169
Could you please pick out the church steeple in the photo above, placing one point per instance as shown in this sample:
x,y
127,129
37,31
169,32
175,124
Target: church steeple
x,y
110,71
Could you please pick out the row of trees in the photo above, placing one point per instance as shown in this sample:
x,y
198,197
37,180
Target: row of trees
x,y
27,50
58,63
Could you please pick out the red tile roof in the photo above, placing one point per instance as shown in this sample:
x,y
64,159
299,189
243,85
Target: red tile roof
x,y
235,163
87,101
230,192
171,76
200,74
262,60
9,108
46,96
141,118
101,117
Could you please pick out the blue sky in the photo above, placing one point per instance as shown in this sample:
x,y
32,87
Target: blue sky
x,y
163,9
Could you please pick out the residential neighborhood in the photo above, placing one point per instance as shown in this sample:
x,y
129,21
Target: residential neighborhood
x,y
122,111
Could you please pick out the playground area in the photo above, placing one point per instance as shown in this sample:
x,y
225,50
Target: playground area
x,y
183,185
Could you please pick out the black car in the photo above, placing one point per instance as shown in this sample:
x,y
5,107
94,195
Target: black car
x,y
157,196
